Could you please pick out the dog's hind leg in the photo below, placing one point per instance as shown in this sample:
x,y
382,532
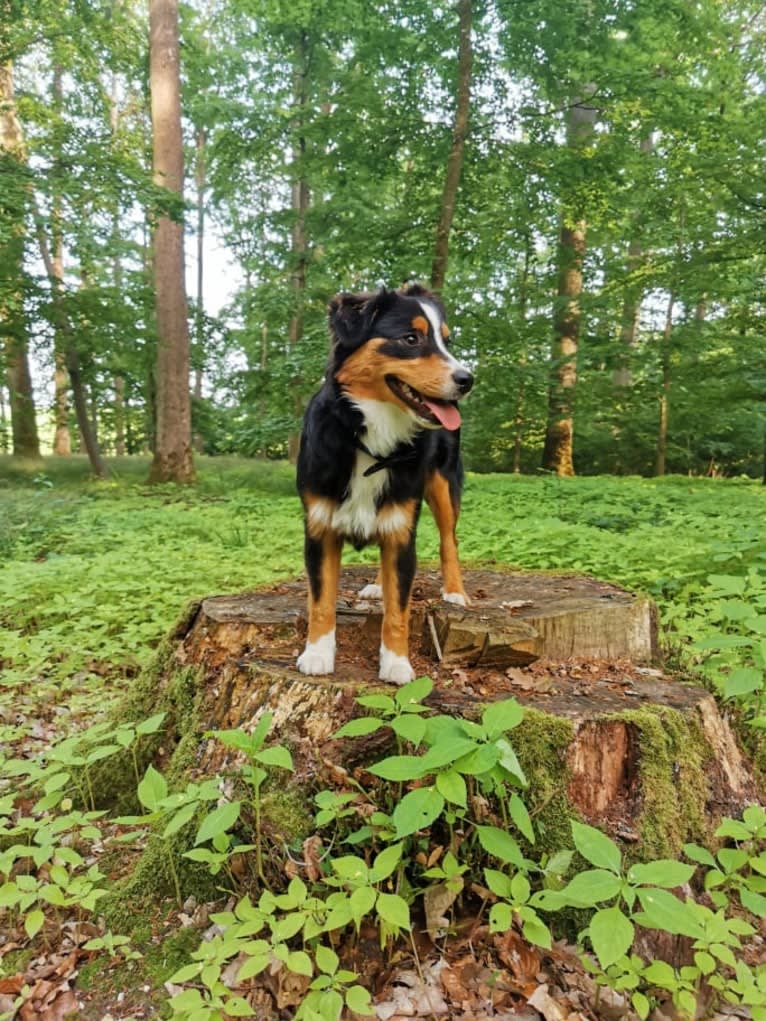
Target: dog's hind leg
x,y
445,509
397,561
322,566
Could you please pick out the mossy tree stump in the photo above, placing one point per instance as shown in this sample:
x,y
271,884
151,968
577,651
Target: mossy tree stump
x,y
607,735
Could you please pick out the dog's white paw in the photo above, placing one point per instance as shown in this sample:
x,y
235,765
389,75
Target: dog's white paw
x,y
318,657
395,669
454,597
370,592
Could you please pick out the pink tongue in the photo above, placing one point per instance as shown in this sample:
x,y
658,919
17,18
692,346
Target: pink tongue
x,y
447,414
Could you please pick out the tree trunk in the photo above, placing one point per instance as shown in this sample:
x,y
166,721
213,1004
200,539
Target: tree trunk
x,y
301,198
631,302
4,433
119,379
62,439
521,388
62,442
662,429
87,431
455,160
150,357
558,450
23,422
262,399
199,354
13,325
119,416
72,359
173,461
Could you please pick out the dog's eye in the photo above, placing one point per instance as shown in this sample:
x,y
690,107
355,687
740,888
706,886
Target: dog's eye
x,y
411,339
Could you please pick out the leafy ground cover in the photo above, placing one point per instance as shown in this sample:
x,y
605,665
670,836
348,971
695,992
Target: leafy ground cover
x,y
94,574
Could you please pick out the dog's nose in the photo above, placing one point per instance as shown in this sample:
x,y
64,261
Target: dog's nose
x,y
463,380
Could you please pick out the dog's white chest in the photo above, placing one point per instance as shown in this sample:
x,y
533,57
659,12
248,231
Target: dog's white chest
x,y
357,516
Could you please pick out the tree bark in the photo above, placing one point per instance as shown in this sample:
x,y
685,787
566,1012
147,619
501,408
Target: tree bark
x,y
455,159
4,434
119,416
87,431
521,388
558,450
13,325
199,354
119,379
62,441
665,352
631,303
62,438
301,198
173,460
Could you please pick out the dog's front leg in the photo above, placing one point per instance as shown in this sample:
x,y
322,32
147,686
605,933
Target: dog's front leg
x,y
397,568
322,566
445,509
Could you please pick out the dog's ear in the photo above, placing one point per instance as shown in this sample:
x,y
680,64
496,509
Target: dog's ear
x,y
352,316
415,290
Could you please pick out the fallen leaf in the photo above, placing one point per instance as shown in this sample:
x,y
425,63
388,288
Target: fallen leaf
x,y
437,900
542,1001
312,855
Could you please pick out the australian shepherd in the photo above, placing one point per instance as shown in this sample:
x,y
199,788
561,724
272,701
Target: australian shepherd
x,y
381,433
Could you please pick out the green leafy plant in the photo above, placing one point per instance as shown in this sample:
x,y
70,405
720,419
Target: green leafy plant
x,y
258,757
177,810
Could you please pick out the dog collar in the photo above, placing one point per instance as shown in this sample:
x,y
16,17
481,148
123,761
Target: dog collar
x,y
406,454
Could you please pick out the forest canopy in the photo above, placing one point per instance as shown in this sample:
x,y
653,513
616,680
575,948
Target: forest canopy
x,y
602,259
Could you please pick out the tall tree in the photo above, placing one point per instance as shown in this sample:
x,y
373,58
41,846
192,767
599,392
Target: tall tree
x,y
455,159
68,342
173,460
301,197
567,315
13,325
62,442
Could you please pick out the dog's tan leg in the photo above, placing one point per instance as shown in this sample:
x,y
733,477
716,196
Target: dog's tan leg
x,y
445,514
397,560
322,566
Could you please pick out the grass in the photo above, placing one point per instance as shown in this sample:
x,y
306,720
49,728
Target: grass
x,y
96,572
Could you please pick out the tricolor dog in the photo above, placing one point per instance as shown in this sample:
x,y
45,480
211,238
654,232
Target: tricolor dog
x,y
381,434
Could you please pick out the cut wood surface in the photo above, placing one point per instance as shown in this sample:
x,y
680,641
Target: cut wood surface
x,y
571,647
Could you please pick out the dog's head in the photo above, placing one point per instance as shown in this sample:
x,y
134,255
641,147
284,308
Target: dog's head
x,y
393,346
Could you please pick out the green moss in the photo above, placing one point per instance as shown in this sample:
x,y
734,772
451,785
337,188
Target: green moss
x,y
673,753
105,977
541,743
90,972
163,686
16,962
286,815
163,958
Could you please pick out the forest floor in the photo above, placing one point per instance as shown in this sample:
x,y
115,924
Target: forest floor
x,y
94,574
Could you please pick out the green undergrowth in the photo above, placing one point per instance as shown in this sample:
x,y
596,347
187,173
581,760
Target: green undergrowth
x,y
96,573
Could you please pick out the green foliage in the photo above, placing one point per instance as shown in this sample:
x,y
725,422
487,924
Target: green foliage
x,y
690,542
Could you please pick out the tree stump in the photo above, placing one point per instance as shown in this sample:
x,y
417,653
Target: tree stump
x,y
607,736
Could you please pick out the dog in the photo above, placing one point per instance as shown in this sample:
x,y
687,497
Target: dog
x,y
381,434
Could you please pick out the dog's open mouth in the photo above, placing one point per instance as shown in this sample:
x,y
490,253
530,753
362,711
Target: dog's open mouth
x,y
431,409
